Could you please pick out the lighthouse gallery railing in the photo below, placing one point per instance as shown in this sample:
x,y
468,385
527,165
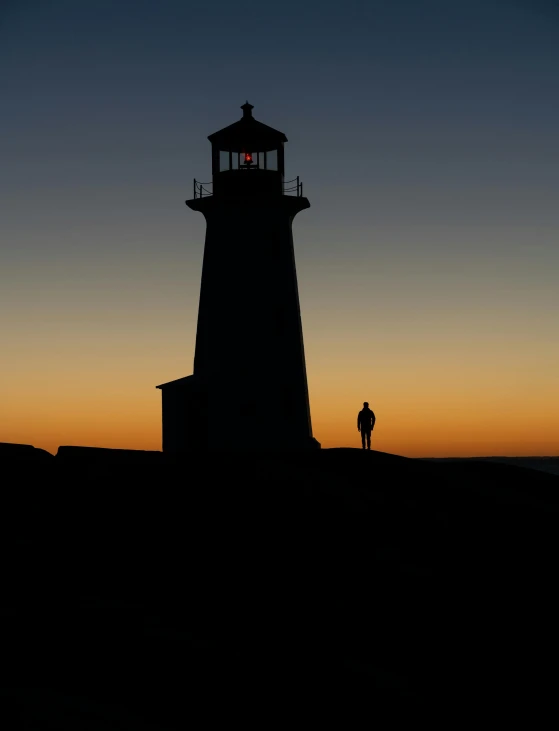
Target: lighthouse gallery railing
x,y
290,187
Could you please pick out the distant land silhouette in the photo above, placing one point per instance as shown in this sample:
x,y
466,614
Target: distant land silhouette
x,y
144,592
545,464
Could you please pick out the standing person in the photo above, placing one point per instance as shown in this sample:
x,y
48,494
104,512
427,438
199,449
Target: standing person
x,y
366,423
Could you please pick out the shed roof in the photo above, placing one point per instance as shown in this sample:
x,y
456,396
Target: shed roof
x,y
177,382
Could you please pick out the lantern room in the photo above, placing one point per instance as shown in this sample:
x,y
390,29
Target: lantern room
x,y
247,160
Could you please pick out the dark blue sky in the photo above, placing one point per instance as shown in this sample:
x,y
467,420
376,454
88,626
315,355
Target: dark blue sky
x,y
435,97
425,133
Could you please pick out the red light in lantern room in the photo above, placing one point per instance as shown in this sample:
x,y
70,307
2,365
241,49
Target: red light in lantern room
x,y
248,157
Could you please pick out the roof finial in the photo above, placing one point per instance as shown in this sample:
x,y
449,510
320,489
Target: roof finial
x,y
247,109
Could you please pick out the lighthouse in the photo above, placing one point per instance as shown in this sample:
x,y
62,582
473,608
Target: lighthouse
x,y
248,390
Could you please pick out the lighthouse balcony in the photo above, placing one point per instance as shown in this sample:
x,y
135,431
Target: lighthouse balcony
x,y
252,182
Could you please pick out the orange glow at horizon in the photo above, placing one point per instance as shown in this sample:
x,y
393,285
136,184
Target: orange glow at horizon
x,y
436,421
445,373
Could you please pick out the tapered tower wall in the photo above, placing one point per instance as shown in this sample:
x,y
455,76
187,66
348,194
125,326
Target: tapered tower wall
x,y
249,341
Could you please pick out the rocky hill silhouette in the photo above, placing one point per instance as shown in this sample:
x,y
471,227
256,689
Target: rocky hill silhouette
x,y
145,592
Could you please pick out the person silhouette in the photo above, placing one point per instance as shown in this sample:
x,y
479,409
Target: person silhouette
x,y
366,423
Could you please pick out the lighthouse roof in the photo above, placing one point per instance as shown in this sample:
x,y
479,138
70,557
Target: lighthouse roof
x,y
247,134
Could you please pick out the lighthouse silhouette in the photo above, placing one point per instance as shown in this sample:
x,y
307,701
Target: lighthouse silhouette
x,y
249,389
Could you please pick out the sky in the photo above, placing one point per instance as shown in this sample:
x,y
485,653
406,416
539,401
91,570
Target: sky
x,y
425,133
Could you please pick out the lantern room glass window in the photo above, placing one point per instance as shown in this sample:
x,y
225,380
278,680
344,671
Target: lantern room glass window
x,y
272,160
229,160
223,160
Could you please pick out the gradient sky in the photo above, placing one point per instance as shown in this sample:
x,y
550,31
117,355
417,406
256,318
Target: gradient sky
x,y
426,134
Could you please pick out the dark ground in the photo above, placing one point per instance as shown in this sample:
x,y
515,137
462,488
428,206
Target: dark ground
x,y
276,590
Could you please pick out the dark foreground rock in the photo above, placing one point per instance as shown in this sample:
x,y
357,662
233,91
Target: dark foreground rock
x,y
276,590
12,453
